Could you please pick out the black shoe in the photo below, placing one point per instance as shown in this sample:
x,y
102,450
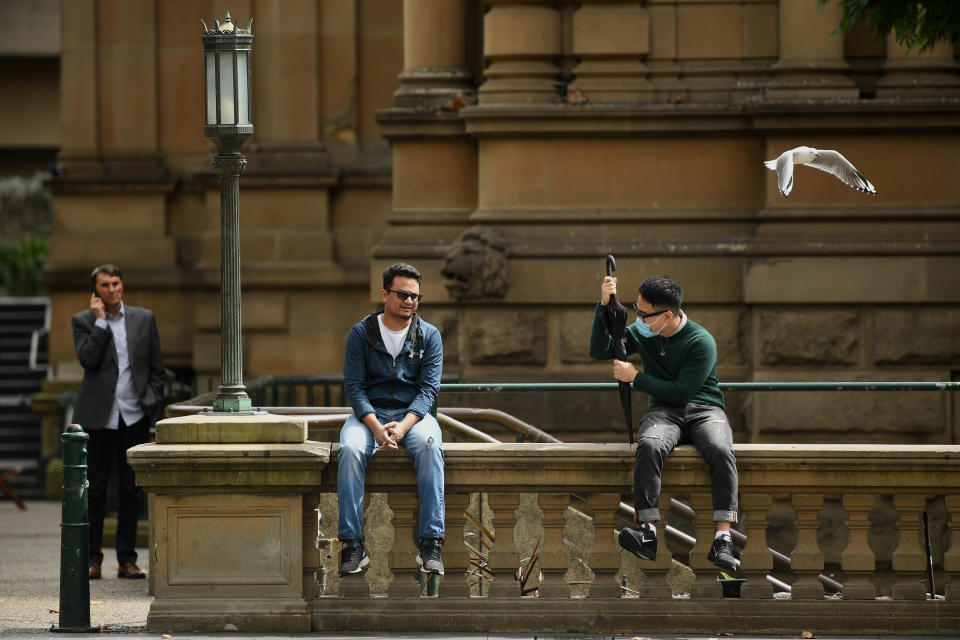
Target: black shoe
x,y
641,542
724,554
353,558
428,556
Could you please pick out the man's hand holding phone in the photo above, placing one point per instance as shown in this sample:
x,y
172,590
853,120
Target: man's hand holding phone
x,y
96,305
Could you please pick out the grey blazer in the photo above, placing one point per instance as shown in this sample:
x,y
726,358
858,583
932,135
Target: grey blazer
x,y
98,356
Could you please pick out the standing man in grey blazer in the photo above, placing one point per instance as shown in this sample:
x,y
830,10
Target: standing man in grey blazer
x,y
120,398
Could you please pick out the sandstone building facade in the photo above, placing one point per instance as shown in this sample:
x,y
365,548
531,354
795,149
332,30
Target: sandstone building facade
x,y
506,147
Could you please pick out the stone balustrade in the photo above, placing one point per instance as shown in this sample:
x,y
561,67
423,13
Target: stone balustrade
x,y
243,536
566,496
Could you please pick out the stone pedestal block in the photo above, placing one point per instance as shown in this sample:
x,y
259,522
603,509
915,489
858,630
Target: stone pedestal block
x,y
226,513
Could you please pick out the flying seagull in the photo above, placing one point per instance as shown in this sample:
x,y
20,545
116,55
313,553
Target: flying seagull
x,y
825,160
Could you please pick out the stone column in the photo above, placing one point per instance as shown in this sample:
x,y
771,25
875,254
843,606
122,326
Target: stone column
x,y
403,555
126,89
604,558
436,64
858,560
915,74
807,558
522,41
909,559
655,583
79,74
811,62
504,558
705,586
611,39
756,561
554,557
286,72
456,557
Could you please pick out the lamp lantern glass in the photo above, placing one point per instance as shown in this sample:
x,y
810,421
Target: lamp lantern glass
x,y
226,51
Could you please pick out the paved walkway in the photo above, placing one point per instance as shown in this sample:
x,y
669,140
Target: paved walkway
x,y
30,594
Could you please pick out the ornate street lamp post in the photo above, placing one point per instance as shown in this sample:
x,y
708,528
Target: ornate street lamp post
x,y
226,54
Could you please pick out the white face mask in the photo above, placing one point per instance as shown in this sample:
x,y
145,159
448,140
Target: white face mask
x,y
647,330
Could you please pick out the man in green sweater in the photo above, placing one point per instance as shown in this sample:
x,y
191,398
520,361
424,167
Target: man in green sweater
x,y
686,406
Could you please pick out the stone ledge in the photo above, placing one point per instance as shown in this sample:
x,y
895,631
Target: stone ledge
x,y
274,615
215,429
630,617
608,468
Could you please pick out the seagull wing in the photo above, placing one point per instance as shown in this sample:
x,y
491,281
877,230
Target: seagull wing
x,y
834,163
785,173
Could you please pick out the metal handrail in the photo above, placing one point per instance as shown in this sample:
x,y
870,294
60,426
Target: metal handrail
x,y
502,387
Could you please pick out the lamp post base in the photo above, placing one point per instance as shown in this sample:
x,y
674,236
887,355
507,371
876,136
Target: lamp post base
x,y
233,399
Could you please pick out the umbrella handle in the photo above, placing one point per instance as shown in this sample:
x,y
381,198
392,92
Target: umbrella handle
x,y
611,265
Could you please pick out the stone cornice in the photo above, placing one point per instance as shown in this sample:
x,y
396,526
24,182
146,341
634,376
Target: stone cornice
x,y
748,116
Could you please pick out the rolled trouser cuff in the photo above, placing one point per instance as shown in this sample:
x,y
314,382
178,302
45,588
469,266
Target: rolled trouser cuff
x,y
647,515
724,516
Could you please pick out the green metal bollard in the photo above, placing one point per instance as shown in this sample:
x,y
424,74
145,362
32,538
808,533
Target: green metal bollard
x,y
74,536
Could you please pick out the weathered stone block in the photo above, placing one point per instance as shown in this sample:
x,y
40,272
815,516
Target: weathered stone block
x,y
259,310
847,417
789,338
727,326
611,30
509,337
895,279
909,336
575,335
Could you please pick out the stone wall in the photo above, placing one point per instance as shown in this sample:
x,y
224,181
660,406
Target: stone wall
x,y
567,131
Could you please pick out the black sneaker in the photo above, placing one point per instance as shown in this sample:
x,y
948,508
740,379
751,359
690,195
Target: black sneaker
x,y
641,542
724,554
353,558
428,556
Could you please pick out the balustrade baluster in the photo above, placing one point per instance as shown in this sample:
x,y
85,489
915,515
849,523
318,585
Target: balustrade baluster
x,y
311,554
951,558
654,583
504,558
456,557
604,558
756,561
705,584
858,560
554,557
403,554
909,558
807,558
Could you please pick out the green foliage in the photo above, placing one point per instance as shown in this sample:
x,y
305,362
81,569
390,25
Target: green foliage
x,y
915,23
26,219
21,266
26,207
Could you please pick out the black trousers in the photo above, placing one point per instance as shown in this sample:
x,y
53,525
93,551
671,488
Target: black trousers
x,y
105,448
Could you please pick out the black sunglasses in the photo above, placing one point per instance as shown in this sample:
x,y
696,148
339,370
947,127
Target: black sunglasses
x,y
405,295
644,316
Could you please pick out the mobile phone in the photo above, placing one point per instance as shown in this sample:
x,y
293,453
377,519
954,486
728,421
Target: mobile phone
x,y
93,290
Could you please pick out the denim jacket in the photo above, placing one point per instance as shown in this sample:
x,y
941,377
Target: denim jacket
x,y
372,378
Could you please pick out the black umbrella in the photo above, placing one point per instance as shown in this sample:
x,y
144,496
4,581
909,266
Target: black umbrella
x,y
615,320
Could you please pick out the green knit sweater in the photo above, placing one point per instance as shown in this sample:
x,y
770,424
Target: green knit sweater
x,y
686,372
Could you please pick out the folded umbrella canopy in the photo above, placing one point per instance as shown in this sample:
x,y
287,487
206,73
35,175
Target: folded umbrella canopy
x,y
614,318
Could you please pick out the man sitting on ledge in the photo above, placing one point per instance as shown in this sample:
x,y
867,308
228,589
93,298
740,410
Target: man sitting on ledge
x,y
686,405
391,374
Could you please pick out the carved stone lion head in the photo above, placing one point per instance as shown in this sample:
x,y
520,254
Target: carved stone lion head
x,y
477,266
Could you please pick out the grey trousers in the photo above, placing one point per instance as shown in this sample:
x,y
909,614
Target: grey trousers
x,y
705,427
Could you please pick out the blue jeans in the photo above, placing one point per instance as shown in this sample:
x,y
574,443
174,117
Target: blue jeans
x,y
705,427
423,444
